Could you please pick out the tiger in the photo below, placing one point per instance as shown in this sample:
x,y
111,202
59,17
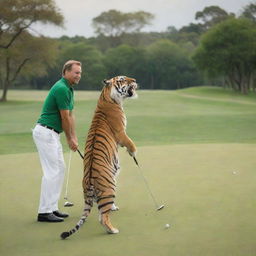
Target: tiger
x,y
101,165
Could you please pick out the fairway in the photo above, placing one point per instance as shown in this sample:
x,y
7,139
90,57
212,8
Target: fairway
x,y
207,191
196,148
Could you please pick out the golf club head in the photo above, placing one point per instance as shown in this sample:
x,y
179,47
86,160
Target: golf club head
x,y
68,204
160,207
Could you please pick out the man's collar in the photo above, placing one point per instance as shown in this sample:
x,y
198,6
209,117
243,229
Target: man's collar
x,y
66,82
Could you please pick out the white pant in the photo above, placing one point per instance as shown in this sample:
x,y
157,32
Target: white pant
x,y
52,161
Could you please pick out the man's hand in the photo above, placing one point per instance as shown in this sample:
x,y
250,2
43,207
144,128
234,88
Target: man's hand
x,y
73,144
68,125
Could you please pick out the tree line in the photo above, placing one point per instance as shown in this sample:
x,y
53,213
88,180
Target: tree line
x,y
219,49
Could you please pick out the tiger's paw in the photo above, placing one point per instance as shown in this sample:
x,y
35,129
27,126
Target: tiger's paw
x,y
112,231
109,228
114,207
105,222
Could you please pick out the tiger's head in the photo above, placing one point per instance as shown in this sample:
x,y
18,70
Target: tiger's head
x,y
121,87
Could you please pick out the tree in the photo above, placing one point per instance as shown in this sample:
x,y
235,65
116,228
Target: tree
x,y
169,67
28,57
187,37
192,28
211,16
16,18
249,12
126,60
229,49
114,23
18,15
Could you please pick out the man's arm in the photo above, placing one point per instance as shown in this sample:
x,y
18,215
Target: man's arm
x,y
68,125
73,130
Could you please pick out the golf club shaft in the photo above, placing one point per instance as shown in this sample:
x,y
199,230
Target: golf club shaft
x,y
69,164
80,153
136,162
147,185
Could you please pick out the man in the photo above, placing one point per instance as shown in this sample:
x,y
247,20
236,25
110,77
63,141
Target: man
x,y
56,116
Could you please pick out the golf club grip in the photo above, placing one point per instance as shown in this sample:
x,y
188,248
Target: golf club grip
x,y
80,153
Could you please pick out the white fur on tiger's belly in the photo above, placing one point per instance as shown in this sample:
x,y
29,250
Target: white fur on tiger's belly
x,y
114,207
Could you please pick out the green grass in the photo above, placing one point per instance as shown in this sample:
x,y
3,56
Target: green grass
x,y
196,148
218,93
211,210
156,118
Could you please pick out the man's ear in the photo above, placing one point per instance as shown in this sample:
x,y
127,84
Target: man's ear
x,y
106,82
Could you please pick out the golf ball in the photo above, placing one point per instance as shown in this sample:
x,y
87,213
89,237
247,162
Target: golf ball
x,y
167,225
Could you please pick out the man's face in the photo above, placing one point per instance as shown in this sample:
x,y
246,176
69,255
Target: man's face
x,y
74,75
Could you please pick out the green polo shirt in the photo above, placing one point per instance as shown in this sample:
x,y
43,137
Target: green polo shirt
x,y
60,97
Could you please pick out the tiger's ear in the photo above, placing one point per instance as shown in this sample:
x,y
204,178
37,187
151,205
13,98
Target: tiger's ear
x,y
106,82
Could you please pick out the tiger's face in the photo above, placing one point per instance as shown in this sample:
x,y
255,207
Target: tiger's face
x,y
122,87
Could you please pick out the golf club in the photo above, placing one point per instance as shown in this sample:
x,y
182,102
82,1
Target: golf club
x,y
158,207
80,153
68,203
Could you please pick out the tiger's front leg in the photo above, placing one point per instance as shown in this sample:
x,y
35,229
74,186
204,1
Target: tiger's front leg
x,y
125,141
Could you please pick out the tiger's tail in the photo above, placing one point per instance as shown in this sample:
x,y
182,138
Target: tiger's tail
x,y
66,234
87,210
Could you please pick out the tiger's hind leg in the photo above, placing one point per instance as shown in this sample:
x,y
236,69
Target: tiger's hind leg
x,y
114,207
106,223
105,205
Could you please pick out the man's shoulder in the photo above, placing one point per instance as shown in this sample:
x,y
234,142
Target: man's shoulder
x,y
60,83
59,86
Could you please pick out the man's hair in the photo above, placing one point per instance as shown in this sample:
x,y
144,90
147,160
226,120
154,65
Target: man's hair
x,y
68,65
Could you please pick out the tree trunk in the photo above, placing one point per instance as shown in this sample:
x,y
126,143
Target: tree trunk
x,y
233,83
6,81
253,81
244,88
5,89
244,84
9,80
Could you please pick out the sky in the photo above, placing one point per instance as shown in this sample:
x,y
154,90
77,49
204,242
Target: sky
x,y
78,14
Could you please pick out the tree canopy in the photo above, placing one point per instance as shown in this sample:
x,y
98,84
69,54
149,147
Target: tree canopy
x,y
18,15
249,12
220,44
178,68
17,46
114,23
211,16
229,49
